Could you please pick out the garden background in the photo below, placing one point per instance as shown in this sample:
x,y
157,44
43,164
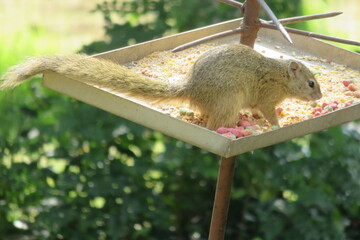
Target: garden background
x,y
71,171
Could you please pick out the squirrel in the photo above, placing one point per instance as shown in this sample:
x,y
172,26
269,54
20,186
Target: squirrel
x,y
222,81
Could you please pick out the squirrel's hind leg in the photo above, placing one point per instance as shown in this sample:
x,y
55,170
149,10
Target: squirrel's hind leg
x,y
223,119
222,116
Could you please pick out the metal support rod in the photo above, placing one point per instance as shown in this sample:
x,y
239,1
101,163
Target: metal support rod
x,y
208,38
251,26
232,3
251,22
315,35
307,17
222,198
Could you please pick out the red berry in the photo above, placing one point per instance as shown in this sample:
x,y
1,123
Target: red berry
x,y
248,132
318,109
324,112
229,135
238,132
279,110
346,83
352,87
245,123
222,130
357,94
334,105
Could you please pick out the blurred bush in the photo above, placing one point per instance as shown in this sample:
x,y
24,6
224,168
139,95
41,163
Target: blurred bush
x,y
72,171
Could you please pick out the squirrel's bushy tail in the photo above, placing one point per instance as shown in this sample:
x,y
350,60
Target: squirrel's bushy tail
x,y
100,72
19,73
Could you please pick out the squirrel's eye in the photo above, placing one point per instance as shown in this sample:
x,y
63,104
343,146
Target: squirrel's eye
x,y
311,84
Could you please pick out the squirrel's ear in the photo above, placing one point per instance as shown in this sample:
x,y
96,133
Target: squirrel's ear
x,y
294,68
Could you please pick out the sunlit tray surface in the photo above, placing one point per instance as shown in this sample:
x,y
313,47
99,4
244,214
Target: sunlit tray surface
x,y
150,117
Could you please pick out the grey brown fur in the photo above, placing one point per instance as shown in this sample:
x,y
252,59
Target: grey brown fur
x,y
222,81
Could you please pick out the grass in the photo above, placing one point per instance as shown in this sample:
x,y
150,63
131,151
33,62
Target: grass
x,y
345,25
40,27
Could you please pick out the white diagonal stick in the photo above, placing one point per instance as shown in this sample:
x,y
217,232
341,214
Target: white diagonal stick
x,y
270,13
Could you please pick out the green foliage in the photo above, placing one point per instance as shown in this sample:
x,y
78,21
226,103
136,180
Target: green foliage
x,y
307,188
127,22
79,171
72,171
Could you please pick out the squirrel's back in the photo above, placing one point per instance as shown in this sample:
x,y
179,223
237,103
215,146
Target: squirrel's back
x,y
226,67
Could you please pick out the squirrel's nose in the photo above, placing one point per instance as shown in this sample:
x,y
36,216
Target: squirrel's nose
x,y
317,96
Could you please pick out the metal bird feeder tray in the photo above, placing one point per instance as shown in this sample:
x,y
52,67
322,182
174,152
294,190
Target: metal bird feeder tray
x,y
142,113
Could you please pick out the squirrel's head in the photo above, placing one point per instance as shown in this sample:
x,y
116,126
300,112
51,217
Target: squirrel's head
x,y
303,84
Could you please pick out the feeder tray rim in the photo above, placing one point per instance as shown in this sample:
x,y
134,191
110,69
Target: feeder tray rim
x,y
193,134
